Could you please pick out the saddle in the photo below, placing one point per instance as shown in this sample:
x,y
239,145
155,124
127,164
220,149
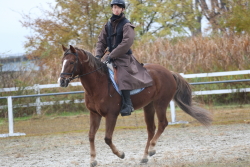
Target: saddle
x,y
111,76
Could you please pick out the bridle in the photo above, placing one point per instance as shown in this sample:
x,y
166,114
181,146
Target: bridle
x,y
74,69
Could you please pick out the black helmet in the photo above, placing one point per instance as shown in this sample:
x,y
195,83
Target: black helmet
x,y
120,3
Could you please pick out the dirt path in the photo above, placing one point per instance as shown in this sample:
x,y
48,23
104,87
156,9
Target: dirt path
x,y
218,145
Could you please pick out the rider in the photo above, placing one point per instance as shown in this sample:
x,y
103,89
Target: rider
x,y
118,35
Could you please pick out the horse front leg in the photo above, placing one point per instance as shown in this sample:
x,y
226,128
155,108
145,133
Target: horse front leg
x,y
95,120
110,126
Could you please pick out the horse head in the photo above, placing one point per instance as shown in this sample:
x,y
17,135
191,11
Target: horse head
x,y
70,65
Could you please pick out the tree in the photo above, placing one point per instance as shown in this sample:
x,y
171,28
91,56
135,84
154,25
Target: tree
x,y
227,15
69,22
237,19
164,17
212,10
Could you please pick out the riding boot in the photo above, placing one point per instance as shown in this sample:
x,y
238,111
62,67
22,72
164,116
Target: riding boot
x,y
127,106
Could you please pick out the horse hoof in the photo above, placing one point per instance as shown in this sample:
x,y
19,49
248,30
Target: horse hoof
x,y
93,164
143,161
151,153
122,156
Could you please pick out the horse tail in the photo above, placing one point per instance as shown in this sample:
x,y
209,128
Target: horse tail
x,y
183,98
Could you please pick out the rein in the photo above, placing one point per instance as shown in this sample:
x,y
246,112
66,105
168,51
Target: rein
x,y
75,63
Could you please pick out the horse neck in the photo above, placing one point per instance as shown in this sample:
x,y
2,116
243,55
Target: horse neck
x,y
93,82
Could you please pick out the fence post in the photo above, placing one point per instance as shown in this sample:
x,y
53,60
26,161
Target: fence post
x,y
10,115
38,100
172,108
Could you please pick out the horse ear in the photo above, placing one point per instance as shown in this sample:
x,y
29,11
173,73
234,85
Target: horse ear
x,y
72,49
64,48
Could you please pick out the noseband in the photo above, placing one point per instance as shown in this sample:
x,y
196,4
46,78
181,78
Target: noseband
x,y
75,63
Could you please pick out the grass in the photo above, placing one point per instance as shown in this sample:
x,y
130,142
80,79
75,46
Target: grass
x,y
66,114
49,116
79,121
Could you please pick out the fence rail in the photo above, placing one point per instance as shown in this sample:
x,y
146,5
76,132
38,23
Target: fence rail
x,y
215,74
37,86
38,104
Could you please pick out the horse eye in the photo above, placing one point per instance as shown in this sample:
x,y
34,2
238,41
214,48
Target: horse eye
x,y
71,62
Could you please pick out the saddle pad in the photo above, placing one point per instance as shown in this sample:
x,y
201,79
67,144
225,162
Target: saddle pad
x,y
132,92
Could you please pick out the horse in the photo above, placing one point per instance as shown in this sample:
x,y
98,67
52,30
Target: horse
x,y
102,100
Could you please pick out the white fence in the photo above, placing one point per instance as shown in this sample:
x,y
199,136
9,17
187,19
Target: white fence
x,y
38,103
37,89
210,92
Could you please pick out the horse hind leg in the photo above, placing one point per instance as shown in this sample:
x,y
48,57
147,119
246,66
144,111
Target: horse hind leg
x,y
149,113
160,108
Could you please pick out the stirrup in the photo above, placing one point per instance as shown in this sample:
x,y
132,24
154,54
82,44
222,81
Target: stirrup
x,y
126,110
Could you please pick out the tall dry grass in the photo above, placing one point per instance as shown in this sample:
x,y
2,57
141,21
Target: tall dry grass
x,y
203,55
197,54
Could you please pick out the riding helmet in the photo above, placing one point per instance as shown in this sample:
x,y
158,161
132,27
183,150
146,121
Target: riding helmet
x,y
120,3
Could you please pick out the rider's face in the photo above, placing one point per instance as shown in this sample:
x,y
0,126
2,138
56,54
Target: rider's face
x,y
116,10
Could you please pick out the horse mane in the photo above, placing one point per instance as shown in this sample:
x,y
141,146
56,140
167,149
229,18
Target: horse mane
x,y
93,62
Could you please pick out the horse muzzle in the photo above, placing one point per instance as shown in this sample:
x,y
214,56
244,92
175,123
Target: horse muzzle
x,y
63,82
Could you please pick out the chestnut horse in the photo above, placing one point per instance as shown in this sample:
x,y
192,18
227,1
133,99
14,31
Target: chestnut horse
x,y
77,63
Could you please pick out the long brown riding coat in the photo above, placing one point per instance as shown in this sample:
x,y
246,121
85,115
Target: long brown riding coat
x,y
129,73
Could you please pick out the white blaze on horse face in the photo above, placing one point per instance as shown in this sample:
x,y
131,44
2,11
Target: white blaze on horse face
x,y
64,62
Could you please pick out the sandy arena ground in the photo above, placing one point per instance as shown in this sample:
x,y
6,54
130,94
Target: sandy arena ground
x,y
218,145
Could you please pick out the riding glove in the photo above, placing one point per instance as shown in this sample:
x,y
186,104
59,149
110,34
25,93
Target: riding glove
x,y
109,60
